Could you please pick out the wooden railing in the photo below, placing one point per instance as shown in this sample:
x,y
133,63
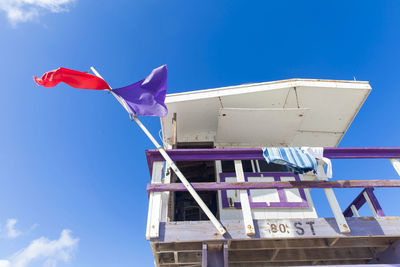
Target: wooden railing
x,y
160,188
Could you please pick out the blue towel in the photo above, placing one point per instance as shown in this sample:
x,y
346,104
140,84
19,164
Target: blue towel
x,y
297,160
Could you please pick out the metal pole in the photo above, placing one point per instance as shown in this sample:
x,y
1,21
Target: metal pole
x,y
167,158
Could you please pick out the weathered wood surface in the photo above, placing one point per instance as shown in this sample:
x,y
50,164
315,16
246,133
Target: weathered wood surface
x,y
274,185
155,204
244,200
256,153
390,255
279,228
290,243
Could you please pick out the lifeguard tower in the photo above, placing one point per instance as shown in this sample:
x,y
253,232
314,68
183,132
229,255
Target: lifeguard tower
x,y
215,137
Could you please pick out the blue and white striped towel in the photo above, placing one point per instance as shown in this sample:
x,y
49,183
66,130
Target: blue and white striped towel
x,y
298,160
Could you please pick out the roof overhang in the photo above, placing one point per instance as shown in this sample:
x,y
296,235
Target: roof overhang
x,y
296,112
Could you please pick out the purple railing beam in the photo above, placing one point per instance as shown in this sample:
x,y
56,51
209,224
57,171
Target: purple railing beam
x,y
360,200
374,201
213,186
256,153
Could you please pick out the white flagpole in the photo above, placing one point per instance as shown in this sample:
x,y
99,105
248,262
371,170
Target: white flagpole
x,y
168,159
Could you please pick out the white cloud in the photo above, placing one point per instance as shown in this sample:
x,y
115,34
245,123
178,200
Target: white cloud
x,y
43,249
11,231
27,10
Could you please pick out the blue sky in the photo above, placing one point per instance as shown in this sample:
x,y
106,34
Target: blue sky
x,y
72,165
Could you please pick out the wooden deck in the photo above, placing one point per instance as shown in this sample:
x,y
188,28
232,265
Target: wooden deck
x,y
277,242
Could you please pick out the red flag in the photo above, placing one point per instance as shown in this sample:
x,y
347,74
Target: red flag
x,y
73,78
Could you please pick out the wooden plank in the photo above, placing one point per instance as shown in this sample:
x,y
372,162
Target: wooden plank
x,y
165,196
338,242
155,204
271,229
178,246
276,244
212,186
337,211
333,241
204,255
226,254
355,211
370,204
244,200
301,255
373,201
390,255
396,165
166,258
274,254
298,263
373,241
333,203
256,153
191,257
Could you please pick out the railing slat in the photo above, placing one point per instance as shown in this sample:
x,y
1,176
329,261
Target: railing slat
x,y
213,186
256,153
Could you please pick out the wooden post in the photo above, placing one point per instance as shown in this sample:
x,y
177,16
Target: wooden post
x,y
244,200
355,211
174,131
204,255
330,195
368,200
155,203
167,158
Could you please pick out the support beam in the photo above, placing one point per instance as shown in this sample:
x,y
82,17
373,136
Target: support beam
x,y
355,211
330,195
390,256
373,202
367,195
214,255
396,165
337,212
256,153
226,254
155,204
213,186
244,200
299,228
370,204
204,255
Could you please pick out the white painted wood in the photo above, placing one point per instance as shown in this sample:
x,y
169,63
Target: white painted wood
x,y
327,120
266,86
155,203
292,195
272,125
323,228
233,195
165,195
370,204
244,200
355,211
396,165
263,195
337,212
257,166
330,195
269,213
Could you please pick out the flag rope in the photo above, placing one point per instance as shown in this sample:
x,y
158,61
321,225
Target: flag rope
x,y
172,164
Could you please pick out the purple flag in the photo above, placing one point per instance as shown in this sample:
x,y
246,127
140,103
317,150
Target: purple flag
x,y
146,97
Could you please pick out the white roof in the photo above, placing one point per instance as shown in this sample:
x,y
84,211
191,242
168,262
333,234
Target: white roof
x,y
295,112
